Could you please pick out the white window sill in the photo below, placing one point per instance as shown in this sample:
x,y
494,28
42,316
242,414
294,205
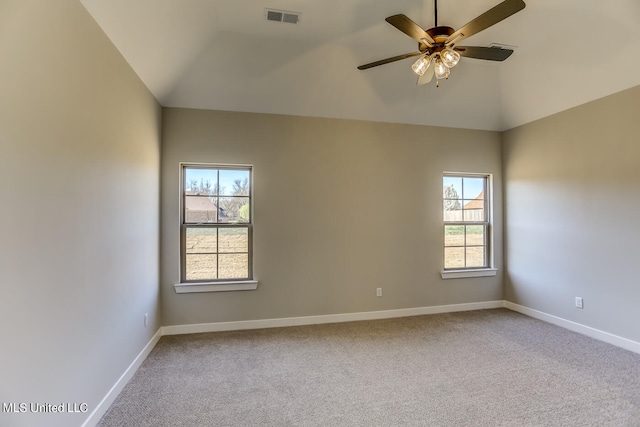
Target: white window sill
x,y
463,274
241,285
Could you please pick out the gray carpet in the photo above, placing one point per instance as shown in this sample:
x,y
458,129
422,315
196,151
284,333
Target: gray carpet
x,y
479,368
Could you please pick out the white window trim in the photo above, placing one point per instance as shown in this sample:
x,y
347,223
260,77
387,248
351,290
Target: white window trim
x,y
221,285
477,272
464,274
188,288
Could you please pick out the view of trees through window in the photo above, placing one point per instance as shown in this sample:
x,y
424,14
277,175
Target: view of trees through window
x,y
465,218
216,222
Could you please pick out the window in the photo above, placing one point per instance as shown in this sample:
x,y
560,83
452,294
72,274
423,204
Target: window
x,y
466,218
216,224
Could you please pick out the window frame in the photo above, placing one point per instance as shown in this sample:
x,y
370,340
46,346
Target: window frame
x,y
474,271
214,284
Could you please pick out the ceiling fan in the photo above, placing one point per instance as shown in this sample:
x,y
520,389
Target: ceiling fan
x,y
436,46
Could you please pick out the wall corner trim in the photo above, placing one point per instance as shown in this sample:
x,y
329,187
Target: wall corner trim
x,y
113,393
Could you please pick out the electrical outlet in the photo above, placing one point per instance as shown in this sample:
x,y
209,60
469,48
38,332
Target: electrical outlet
x,y
378,292
579,302
146,319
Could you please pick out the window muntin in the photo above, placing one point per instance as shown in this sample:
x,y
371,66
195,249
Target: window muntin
x,y
466,221
216,223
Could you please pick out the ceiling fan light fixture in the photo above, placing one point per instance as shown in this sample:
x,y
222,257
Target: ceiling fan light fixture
x,y
420,66
450,57
437,43
441,70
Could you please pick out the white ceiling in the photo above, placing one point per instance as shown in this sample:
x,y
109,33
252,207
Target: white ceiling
x,y
224,55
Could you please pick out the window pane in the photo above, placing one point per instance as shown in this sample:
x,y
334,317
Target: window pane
x,y
452,210
451,187
199,209
473,188
475,235
451,197
474,210
216,211
201,240
234,239
475,257
453,257
234,210
464,203
200,181
234,182
200,267
234,266
454,235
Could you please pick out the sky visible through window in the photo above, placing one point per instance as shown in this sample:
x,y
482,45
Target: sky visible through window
x,y
472,186
227,177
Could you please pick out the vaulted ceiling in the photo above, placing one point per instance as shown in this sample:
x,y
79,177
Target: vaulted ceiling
x,y
225,55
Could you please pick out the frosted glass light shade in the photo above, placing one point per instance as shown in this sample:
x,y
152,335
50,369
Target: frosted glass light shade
x,y
420,66
441,70
450,57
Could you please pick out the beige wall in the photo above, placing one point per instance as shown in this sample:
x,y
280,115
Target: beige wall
x,y
341,208
79,184
572,198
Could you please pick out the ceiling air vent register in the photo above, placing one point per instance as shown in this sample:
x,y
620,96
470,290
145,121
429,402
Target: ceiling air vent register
x,y
282,16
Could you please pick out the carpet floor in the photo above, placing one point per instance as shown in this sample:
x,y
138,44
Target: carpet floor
x,y
478,368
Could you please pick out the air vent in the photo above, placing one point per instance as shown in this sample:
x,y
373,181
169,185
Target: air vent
x,y
282,16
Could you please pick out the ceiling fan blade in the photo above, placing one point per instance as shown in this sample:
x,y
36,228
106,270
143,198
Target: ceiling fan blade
x,y
388,60
410,28
488,53
426,77
487,19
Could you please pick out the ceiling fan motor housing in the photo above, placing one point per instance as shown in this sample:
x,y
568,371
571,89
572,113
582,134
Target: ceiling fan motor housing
x,y
439,35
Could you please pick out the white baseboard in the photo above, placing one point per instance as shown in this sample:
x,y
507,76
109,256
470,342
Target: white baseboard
x,y
106,402
329,318
616,340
